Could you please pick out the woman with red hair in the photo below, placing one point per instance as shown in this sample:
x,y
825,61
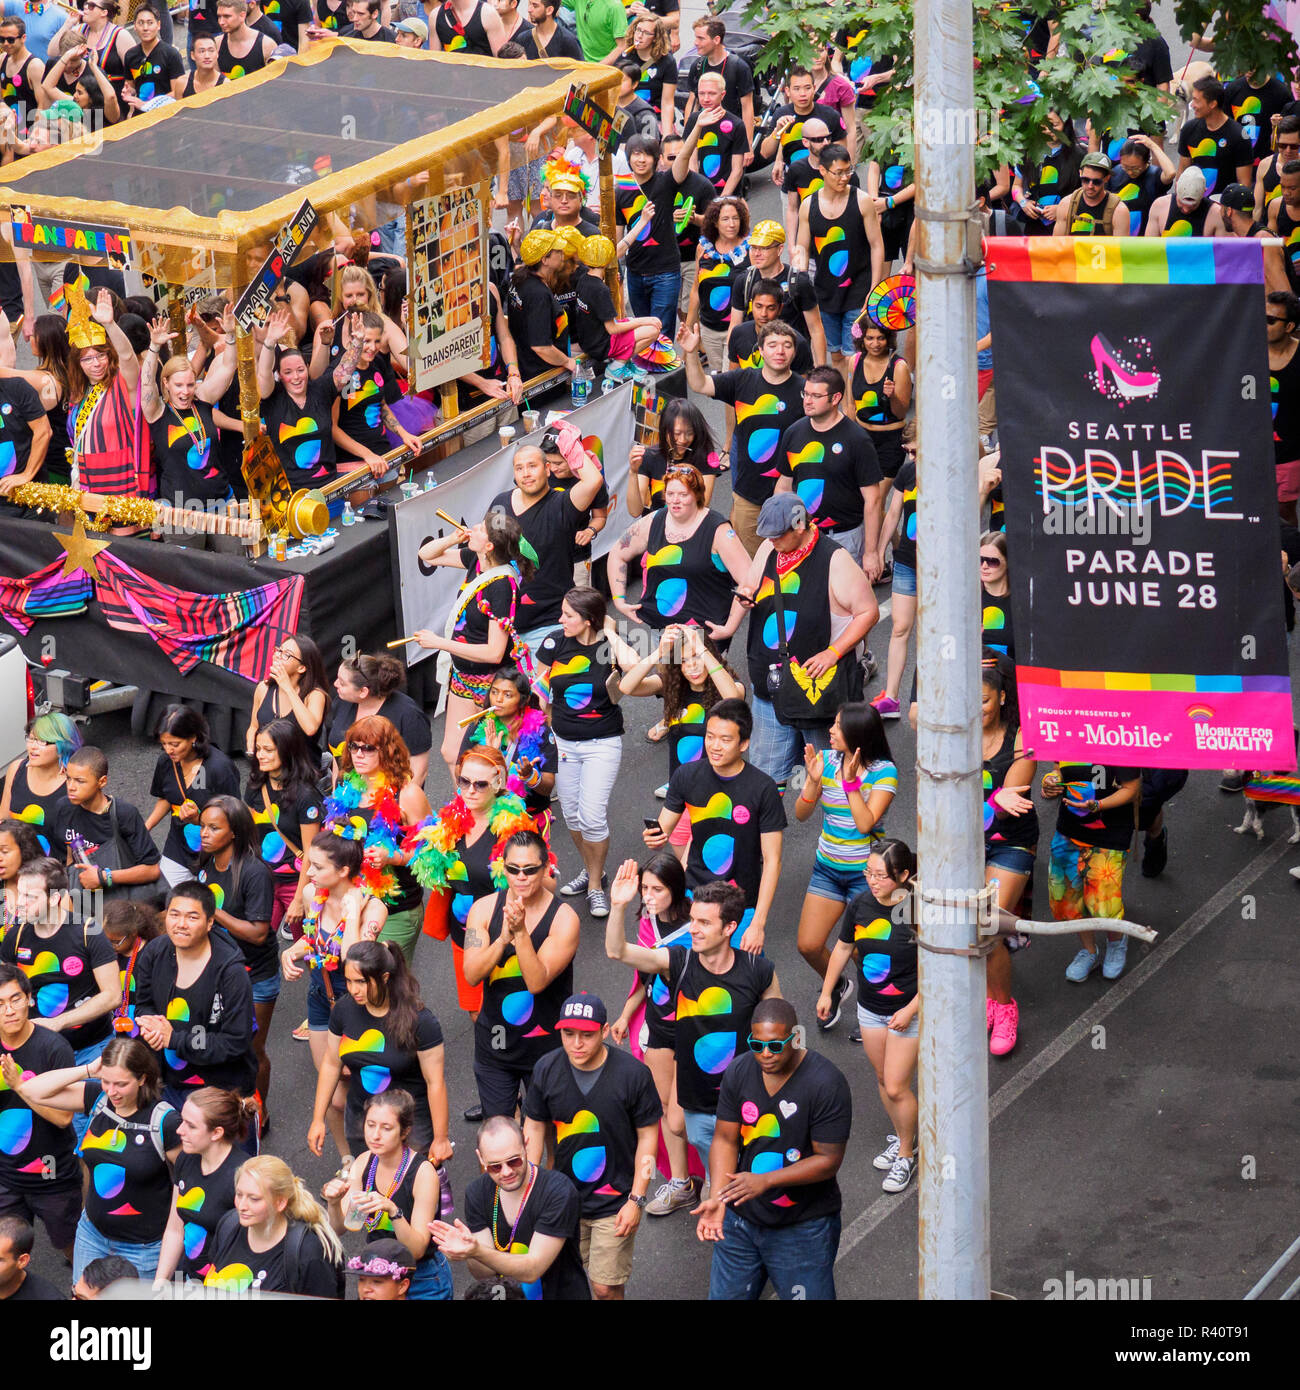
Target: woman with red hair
x,y
375,800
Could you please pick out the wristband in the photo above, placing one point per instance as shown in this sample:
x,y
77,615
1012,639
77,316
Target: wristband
x,y
852,785
512,369
534,780
807,800
889,204
831,647
713,670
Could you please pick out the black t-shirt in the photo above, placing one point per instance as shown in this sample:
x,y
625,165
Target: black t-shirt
x,y
1137,194
250,897
153,72
553,1208
655,76
717,145
549,526
20,407
702,193
34,1289
377,1065
905,541
129,1195
279,828
1253,108
189,465
813,1105
361,405
1111,829
289,16
743,349
303,439
828,469
402,713
515,1028
996,629
793,149
713,1014
580,705
1150,61
885,947
35,1155
805,178
473,625
236,1267
763,412
562,44
654,250
798,298
1216,153
215,776
595,1131
61,969
594,306
202,1199
729,816
96,830
536,320
735,73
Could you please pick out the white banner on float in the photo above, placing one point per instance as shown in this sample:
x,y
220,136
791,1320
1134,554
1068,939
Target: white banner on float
x,y
425,594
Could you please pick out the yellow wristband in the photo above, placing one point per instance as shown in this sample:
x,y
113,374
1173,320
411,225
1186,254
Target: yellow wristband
x,y
831,647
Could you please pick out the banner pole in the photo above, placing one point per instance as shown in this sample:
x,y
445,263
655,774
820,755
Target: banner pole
x,y
953,1062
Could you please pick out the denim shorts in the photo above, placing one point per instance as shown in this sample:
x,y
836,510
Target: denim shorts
x,y
318,1004
839,330
904,582
266,991
866,1019
1014,858
841,885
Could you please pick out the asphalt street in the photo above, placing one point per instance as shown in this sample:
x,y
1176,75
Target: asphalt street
x,y
1142,1129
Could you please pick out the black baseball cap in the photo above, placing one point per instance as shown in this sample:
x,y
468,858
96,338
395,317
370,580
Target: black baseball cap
x,y
584,1013
1237,197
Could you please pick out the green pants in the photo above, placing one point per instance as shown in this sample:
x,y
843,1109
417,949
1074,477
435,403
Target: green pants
x,y
403,929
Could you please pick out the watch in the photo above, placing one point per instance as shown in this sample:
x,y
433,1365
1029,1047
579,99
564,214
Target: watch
x,y
638,1201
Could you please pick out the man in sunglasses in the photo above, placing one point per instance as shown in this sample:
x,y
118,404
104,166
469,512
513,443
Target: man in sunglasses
x,y
803,176
1092,209
603,1111
1286,147
520,946
1283,318
521,1220
709,1031
784,1116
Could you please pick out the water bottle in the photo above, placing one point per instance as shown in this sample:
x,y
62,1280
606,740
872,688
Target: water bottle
x,y
580,388
446,1202
349,517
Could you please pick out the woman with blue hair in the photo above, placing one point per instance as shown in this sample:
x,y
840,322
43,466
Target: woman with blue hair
x,y
33,787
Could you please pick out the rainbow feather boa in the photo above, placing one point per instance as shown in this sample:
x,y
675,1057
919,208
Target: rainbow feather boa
x,y
383,831
432,843
528,745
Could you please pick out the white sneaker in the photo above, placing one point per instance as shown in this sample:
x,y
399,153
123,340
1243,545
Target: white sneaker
x,y
900,1175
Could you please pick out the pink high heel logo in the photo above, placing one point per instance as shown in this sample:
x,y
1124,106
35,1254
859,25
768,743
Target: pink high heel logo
x,y
1119,376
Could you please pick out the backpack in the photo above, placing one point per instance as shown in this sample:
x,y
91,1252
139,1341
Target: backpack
x,y
152,1126
295,1260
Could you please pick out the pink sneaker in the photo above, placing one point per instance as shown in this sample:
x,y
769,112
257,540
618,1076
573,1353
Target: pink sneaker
x,y
886,706
990,1013
1006,1017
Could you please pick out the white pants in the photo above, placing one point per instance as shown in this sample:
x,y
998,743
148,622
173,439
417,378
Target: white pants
x,y
584,781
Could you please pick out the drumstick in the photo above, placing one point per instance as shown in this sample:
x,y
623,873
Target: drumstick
x,y
399,642
470,718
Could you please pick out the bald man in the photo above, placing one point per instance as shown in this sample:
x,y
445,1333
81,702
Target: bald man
x,y
804,176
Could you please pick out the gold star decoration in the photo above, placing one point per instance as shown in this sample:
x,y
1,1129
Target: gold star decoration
x,y
81,550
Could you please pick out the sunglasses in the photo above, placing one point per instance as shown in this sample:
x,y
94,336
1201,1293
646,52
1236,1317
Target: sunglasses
x,y
1275,318
362,748
524,870
472,783
990,560
776,1045
816,139
507,1165
1084,179
6,41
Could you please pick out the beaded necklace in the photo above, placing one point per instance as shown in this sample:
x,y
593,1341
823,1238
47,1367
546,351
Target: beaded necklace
x,y
523,1202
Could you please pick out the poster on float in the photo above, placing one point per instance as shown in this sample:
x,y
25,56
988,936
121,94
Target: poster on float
x,y
1137,472
447,290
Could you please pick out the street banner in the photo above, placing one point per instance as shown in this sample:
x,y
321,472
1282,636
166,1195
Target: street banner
x,y
253,307
1137,473
424,593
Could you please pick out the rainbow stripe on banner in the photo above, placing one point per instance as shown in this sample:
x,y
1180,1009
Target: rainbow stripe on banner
x,y
1142,680
1126,260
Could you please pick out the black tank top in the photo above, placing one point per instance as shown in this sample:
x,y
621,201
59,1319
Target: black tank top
x,y
1004,829
686,731
1180,223
14,84
805,595
457,38
409,892
843,274
189,82
684,581
523,1023
36,811
252,61
1288,228
476,865
996,610
869,399
1272,187
1284,392
402,1196
269,709
660,1010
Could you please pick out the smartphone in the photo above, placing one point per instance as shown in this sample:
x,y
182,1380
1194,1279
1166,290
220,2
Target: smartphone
x,y
746,600
651,822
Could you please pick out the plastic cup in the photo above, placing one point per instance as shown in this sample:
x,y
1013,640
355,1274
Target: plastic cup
x,y
506,435
531,419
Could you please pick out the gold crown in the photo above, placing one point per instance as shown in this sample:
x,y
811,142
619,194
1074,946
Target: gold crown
x,y
83,331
